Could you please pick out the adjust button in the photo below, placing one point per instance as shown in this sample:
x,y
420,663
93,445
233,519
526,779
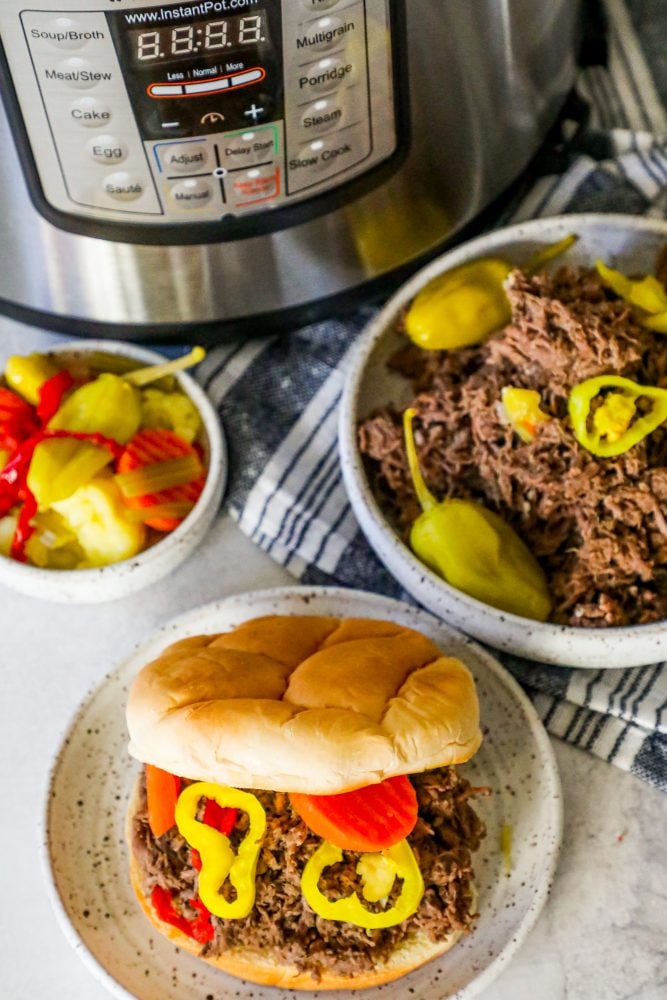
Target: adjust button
x,y
184,157
325,75
124,186
89,112
196,192
107,149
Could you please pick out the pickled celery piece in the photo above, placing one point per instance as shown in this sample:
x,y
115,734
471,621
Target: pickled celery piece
x,y
159,476
53,545
27,373
95,513
142,376
7,529
172,411
59,466
108,405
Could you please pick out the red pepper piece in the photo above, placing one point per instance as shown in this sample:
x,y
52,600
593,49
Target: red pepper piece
x,y
51,394
221,818
24,528
18,420
201,928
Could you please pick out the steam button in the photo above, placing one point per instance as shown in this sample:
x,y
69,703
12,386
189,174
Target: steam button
x,y
107,149
322,116
123,186
193,193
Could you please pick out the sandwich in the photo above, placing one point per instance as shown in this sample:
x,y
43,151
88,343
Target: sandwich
x,y
299,821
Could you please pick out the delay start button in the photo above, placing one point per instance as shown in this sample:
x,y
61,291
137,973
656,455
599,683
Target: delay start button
x,y
193,193
247,149
184,158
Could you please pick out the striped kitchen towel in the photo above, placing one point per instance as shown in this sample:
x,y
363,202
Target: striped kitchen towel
x,y
279,398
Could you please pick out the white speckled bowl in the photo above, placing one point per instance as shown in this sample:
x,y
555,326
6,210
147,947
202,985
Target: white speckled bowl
x,y
106,583
86,858
627,242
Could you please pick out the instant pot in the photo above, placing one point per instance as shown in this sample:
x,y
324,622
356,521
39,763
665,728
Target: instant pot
x,y
217,167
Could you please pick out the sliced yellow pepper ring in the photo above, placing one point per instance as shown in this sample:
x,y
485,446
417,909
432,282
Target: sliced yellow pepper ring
x,y
613,431
351,910
218,859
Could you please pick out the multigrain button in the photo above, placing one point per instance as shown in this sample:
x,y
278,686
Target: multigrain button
x,y
322,116
196,192
324,76
124,186
107,149
77,73
184,158
324,34
89,112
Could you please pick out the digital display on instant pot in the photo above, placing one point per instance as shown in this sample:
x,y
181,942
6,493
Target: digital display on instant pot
x,y
218,36
191,70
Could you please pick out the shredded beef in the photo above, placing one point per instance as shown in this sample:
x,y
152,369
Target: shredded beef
x,y
596,525
281,922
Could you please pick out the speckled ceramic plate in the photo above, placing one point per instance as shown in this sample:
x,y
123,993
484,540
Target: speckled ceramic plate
x,y
86,856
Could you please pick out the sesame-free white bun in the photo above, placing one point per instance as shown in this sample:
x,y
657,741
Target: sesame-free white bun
x,y
303,704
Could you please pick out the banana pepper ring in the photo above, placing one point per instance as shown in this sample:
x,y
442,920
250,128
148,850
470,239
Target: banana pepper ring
x,y
614,427
350,909
218,860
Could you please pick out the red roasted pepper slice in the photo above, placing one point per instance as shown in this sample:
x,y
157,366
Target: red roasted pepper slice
x,y
51,394
221,818
201,928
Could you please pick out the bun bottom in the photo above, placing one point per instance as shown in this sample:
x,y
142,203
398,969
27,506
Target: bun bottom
x,y
266,969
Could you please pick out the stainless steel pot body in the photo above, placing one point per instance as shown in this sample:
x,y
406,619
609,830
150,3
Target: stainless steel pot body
x,y
480,82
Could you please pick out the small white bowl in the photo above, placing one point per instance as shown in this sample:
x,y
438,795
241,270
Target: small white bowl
x,y
107,583
628,242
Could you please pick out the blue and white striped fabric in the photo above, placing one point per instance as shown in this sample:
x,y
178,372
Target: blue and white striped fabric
x,y
279,399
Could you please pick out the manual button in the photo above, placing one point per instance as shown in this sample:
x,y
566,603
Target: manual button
x,y
196,192
183,158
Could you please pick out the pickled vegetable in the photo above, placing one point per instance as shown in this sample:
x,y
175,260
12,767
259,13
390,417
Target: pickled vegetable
x,y
59,466
95,514
27,373
109,405
172,411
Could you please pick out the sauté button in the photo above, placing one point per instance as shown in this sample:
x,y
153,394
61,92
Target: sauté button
x,y
123,186
107,149
323,34
325,75
184,158
89,112
195,192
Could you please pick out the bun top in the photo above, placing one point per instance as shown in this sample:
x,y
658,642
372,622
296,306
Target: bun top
x,y
303,704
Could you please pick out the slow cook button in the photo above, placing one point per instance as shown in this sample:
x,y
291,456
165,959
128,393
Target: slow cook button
x,y
124,186
324,76
89,112
196,192
324,34
322,116
77,73
334,153
184,158
107,149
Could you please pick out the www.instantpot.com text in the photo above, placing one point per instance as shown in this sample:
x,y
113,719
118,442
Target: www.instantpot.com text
x,y
187,10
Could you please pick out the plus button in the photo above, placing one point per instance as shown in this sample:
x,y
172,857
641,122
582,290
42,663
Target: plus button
x,y
254,112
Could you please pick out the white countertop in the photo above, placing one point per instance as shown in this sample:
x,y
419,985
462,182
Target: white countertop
x,y
602,935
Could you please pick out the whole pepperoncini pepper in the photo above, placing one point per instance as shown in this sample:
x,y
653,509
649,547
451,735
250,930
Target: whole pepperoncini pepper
x,y
473,549
648,295
614,427
402,864
465,305
218,860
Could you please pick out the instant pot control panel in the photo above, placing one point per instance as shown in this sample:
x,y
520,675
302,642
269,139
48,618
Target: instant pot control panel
x,y
164,116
